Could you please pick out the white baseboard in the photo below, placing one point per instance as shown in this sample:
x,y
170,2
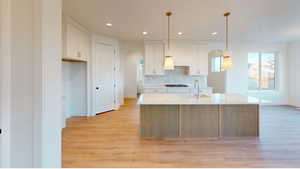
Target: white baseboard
x,y
79,115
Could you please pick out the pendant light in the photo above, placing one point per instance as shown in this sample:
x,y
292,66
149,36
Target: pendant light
x,y
169,62
227,62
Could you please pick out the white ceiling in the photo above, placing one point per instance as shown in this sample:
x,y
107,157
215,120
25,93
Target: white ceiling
x,y
251,20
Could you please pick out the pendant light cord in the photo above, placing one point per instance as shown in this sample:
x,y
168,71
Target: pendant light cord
x,y
169,33
227,27
169,14
226,32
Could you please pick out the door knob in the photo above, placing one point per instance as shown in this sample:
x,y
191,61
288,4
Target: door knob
x,y
97,88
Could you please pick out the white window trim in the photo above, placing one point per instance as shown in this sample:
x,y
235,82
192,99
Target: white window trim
x,y
276,88
213,64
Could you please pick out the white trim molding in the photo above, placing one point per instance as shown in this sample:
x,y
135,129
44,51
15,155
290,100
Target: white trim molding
x,y
47,80
5,75
42,48
108,41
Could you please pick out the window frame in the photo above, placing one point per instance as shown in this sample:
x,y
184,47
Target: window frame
x,y
213,64
276,79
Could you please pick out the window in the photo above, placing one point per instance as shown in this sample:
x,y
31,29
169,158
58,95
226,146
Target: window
x,y
216,64
261,71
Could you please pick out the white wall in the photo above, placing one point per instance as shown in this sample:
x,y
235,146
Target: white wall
x,y
22,55
293,70
237,78
32,59
131,53
74,89
47,102
119,77
5,79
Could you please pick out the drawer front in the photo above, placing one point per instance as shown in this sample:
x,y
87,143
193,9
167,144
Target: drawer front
x,y
154,90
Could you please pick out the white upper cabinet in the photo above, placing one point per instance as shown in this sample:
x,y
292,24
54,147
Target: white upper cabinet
x,y
84,46
192,54
185,53
76,41
199,61
154,58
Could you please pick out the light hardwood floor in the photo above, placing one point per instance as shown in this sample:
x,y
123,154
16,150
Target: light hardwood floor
x,y
112,140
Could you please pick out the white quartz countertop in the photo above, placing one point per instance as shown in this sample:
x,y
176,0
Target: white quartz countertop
x,y
163,87
189,99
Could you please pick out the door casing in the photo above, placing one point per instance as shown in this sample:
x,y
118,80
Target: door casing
x,y
109,107
92,69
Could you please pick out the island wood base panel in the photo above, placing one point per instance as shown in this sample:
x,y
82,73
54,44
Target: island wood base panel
x,y
193,121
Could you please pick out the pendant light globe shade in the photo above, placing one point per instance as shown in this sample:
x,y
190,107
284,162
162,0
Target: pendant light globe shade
x,y
169,63
227,62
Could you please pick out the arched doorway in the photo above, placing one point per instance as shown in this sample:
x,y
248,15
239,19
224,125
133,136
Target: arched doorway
x,y
216,77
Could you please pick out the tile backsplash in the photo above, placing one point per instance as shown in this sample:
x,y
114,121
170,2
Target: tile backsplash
x,y
178,76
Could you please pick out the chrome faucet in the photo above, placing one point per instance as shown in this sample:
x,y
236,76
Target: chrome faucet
x,y
197,86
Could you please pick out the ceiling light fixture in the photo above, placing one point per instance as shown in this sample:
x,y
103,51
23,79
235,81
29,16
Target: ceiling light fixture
x,y
145,33
109,24
227,63
180,33
169,62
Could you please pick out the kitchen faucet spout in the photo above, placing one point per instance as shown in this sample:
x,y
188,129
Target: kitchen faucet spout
x,y
197,86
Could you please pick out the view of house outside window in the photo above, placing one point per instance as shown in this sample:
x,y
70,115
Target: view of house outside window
x,y
216,64
261,71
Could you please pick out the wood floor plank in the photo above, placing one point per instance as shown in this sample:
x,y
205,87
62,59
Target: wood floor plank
x,y
112,140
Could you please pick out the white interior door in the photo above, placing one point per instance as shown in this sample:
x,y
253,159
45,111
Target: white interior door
x,y
104,78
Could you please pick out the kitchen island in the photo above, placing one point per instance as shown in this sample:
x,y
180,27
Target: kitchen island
x,y
188,116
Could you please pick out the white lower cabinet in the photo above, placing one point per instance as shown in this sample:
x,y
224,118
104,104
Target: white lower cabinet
x,y
179,90
154,90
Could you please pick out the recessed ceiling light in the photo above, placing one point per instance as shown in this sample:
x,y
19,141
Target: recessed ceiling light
x,y
145,33
214,33
180,33
109,24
